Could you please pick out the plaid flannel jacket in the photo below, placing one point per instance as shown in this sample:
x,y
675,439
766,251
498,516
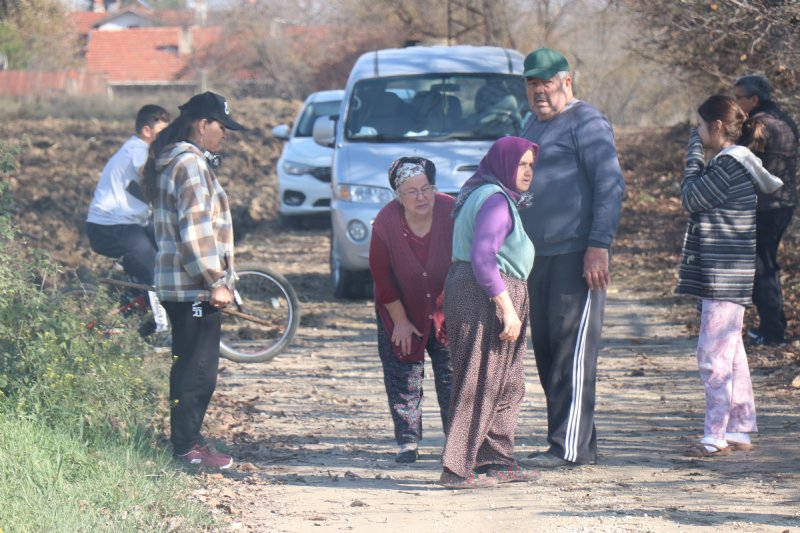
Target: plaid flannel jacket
x,y
193,226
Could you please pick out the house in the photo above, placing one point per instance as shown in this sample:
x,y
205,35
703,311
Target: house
x,y
136,49
137,58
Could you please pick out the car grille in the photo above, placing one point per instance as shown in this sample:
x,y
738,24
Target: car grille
x,y
322,174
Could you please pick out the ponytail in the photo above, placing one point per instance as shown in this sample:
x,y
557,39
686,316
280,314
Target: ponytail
x,y
754,135
177,131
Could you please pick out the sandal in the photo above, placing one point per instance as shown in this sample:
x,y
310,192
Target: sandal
x,y
699,450
740,446
449,480
511,474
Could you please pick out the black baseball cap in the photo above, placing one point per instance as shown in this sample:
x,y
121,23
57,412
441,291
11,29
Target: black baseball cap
x,y
212,106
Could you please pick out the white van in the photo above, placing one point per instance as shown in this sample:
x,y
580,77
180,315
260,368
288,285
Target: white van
x,y
304,168
446,103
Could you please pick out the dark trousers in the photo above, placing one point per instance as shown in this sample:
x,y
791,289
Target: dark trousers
x,y
403,382
195,363
771,224
566,323
135,244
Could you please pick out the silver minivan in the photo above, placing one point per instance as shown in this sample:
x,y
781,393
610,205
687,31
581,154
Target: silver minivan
x,y
446,103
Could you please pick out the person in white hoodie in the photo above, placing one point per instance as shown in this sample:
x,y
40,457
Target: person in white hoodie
x,y
119,224
718,264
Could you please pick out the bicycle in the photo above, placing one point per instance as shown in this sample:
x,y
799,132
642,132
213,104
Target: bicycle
x,y
261,324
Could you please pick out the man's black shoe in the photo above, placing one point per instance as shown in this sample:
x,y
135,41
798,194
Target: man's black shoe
x,y
760,340
548,460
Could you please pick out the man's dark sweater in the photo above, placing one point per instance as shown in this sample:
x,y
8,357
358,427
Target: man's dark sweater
x,y
577,185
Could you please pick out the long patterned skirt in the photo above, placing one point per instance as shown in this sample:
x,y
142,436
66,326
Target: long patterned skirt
x,y
488,376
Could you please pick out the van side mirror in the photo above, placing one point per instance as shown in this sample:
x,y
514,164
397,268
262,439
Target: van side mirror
x,y
281,131
324,131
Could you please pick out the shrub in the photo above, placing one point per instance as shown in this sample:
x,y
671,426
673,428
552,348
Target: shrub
x,y
76,450
55,369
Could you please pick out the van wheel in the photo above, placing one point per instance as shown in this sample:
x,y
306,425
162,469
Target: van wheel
x,y
345,283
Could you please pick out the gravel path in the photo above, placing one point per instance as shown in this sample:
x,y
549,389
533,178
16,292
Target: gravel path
x,y
313,436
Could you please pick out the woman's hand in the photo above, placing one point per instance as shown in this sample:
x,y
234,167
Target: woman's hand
x,y
220,297
512,325
694,148
402,335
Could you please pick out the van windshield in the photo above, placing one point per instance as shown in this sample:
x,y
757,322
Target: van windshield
x,y
436,107
311,113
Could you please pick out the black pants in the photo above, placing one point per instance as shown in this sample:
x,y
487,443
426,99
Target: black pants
x,y
135,244
771,224
403,382
195,363
566,323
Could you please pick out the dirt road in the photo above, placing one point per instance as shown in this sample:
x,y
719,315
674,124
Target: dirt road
x,y
313,434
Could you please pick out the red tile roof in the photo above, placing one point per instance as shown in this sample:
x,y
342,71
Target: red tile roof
x,y
145,55
175,17
84,21
146,14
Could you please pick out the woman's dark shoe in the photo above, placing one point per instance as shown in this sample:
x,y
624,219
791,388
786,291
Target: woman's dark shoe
x,y
511,474
450,480
407,456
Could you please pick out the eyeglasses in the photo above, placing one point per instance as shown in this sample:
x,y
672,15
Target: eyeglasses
x,y
413,193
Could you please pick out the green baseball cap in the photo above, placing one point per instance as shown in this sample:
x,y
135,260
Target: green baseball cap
x,y
544,63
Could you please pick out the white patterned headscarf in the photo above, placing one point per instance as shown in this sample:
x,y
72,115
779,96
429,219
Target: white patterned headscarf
x,y
406,171
408,167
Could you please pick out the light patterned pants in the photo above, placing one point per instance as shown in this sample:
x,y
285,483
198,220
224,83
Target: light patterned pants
x,y
723,368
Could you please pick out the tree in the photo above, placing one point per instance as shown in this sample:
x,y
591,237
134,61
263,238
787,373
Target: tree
x,y
33,35
713,42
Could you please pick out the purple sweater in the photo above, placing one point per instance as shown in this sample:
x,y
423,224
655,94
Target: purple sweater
x,y
492,226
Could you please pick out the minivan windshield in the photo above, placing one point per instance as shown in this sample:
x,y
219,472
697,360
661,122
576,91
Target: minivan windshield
x,y
436,107
312,112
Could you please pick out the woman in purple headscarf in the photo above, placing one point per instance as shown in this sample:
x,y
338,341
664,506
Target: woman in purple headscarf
x,y
486,309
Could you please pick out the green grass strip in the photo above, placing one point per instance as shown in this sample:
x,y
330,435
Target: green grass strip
x,y
51,481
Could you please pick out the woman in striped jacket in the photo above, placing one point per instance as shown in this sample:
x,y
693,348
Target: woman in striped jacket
x,y
718,264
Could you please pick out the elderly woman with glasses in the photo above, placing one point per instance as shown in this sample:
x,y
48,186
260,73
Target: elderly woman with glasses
x,y
409,256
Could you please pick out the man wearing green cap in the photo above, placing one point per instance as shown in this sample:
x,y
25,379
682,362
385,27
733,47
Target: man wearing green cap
x,y
577,200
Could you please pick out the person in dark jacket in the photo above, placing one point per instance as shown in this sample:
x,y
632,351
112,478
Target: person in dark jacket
x,y
409,256
718,262
774,211
578,197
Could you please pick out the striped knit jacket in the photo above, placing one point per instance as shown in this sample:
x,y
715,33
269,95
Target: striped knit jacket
x,y
718,256
193,226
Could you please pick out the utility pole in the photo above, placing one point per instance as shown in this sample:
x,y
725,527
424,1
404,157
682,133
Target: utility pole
x,y
466,16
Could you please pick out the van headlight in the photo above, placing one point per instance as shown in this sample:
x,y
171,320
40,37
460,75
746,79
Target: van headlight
x,y
363,194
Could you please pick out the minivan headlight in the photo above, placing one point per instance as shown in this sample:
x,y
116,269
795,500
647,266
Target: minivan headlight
x,y
363,193
295,169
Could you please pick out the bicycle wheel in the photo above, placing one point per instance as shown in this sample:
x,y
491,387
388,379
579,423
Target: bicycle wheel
x,y
97,307
268,296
